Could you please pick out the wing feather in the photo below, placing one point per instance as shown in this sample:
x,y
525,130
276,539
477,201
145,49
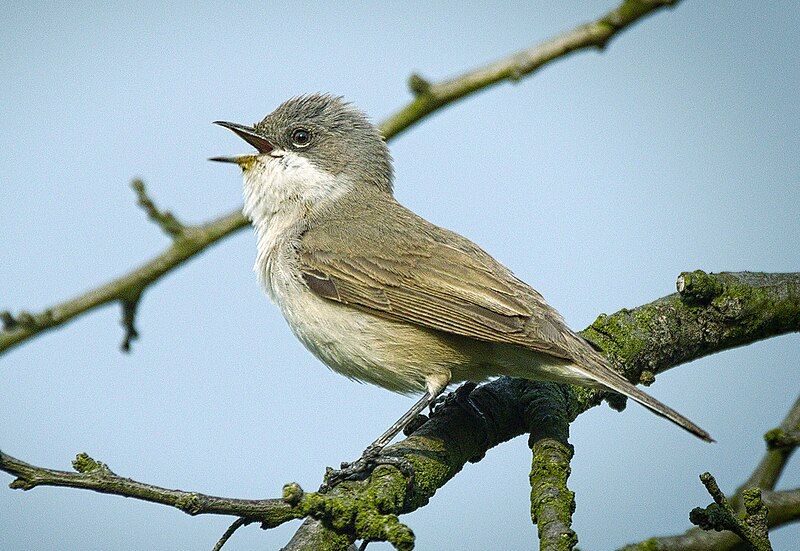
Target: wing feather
x,y
444,281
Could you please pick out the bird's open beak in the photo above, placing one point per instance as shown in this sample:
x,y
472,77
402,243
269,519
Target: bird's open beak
x,y
249,135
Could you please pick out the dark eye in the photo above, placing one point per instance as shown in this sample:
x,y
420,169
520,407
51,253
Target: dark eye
x,y
301,137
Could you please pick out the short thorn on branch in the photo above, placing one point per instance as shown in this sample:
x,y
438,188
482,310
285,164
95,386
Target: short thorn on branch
x,y
165,219
130,304
24,320
752,527
418,84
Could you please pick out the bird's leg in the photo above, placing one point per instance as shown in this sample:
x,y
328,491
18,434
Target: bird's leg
x,y
371,457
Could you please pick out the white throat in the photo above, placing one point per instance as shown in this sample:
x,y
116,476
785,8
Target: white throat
x,y
281,190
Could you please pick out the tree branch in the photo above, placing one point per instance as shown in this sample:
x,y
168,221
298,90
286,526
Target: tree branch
x,y
710,313
779,450
191,240
165,219
743,307
552,503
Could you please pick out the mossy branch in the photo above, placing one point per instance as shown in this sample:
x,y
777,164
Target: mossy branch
x,y
740,308
191,240
552,502
746,307
783,508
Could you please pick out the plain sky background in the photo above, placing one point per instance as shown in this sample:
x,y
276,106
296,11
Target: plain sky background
x,y
597,180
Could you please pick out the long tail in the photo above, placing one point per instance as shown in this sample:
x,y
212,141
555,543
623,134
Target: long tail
x,y
594,369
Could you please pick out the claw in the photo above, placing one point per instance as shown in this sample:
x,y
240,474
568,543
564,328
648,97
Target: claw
x,y
361,468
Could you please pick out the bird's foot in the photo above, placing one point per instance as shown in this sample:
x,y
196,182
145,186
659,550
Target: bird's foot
x,y
361,468
459,395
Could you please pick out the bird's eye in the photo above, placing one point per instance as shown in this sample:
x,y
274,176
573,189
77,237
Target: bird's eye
x,y
301,137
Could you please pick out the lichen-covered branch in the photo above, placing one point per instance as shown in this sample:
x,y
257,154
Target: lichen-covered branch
x,y
783,507
720,515
709,313
191,240
552,502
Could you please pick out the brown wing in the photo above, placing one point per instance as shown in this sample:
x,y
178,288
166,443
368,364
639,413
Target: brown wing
x,y
385,260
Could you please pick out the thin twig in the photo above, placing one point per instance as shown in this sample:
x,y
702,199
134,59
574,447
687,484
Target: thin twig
x,y
431,96
238,523
769,469
96,476
165,219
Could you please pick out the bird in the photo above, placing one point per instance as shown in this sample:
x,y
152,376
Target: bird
x,y
378,293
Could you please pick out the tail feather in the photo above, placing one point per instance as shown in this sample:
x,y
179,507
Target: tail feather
x,y
616,382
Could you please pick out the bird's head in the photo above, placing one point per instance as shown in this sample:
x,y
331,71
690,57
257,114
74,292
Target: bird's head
x,y
310,148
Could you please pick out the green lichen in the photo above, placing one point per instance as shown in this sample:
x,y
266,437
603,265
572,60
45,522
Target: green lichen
x,y
85,465
552,503
649,545
292,493
190,503
647,377
775,438
698,287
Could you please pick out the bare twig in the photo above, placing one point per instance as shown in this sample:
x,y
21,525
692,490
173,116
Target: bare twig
x,y
192,241
238,523
165,219
431,97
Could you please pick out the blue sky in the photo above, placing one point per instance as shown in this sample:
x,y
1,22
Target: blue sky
x,y
597,180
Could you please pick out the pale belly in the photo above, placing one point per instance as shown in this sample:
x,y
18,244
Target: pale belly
x,y
397,356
